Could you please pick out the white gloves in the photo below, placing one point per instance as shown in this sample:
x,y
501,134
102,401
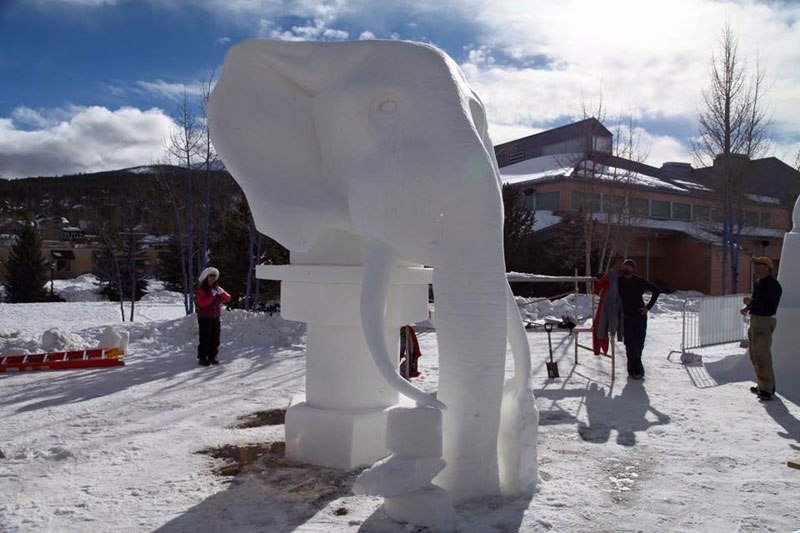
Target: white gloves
x,y
216,291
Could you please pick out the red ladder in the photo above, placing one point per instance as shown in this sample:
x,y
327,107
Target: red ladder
x,y
99,357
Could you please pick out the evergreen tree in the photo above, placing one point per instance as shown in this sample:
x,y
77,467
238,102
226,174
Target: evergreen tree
x,y
26,271
517,229
230,253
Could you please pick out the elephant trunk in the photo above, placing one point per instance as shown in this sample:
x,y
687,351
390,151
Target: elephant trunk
x,y
379,263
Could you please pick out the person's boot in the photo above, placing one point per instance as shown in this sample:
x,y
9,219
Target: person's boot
x,y
203,362
764,396
214,361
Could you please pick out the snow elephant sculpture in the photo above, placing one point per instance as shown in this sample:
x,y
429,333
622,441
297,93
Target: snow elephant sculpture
x,y
386,141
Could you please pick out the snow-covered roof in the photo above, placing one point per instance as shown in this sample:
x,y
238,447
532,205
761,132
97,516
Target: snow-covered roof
x,y
156,239
683,226
571,165
752,231
760,199
545,219
539,167
691,185
624,176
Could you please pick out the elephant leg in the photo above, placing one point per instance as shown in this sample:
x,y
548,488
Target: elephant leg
x,y
471,332
379,263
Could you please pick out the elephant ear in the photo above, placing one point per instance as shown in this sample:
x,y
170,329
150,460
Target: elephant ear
x,y
261,124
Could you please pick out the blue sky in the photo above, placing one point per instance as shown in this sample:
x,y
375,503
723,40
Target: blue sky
x,y
91,84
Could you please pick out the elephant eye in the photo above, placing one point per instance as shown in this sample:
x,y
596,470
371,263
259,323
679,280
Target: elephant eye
x,y
387,107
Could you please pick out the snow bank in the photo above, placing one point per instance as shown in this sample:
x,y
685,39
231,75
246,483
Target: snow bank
x,y
81,289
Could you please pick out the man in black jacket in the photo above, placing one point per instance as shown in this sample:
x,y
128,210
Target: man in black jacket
x,y
762,306
634,311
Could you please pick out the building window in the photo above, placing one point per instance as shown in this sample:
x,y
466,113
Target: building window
x,y
529,199
766,220
701,212
547,201
681,211
581,200
601,144
565,147
639,206
751,218
613,204
659,209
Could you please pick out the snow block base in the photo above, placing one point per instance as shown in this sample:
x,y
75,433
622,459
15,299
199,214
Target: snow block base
x,y
336,438
414,431
429,507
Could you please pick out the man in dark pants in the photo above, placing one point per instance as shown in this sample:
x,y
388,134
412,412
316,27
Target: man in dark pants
x,y
634,311
762,306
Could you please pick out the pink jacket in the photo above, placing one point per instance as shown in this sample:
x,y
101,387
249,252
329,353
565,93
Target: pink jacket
x,y
209,304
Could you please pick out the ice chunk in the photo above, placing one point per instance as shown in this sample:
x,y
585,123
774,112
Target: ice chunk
x,y
395,475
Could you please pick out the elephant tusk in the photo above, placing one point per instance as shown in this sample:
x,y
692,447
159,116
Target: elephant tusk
x,y
379,262
518,340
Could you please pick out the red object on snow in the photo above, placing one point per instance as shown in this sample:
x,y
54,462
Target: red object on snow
x,y
99,357
602,289
408,362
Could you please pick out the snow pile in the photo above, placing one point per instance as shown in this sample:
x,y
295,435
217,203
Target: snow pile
x,y
84,288
114,339
532,309
57,340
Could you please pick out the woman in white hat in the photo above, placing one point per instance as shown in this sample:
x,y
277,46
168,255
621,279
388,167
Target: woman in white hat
x,y
209,310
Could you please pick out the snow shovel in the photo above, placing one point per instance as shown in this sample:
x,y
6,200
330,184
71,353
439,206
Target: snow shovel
x,y
552,366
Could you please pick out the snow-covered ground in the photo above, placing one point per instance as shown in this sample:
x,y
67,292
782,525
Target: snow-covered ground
x,y
688,449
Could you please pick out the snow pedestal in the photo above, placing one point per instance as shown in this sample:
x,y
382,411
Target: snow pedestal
x,y
786,339
342,422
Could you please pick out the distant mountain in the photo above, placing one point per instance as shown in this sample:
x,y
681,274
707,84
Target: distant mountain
x,y
98,197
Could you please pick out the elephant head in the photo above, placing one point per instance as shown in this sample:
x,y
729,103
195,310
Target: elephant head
x,y
385,140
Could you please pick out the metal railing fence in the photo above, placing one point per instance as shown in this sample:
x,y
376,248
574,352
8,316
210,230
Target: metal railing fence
x,y
712,320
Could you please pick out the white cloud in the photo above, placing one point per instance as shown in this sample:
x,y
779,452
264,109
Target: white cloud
x,y
533,62
223,40
173,91
92,139
312,31
649,59
660,149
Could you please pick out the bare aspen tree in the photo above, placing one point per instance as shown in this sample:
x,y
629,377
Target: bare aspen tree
x,y
732,122
169,185
184,145
618,217
111,252
589,169
209,160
